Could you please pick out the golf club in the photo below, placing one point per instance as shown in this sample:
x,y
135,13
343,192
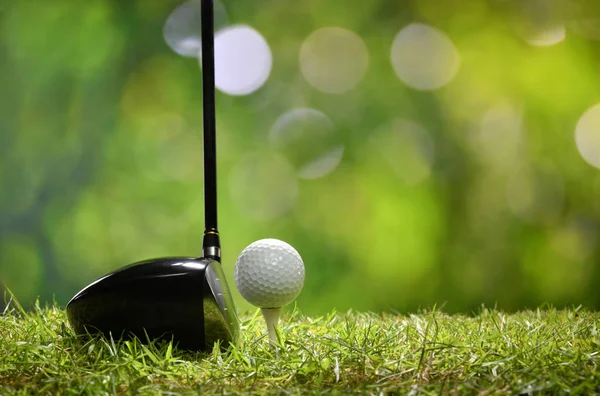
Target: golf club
x,y
183,299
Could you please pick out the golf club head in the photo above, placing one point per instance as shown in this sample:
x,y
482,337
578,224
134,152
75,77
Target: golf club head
x,y
180,298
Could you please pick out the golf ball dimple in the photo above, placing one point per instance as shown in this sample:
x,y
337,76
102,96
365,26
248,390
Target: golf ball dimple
x,y
269,273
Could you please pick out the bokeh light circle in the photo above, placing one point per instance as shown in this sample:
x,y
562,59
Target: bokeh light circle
x,y
546,35
243,60
263,186
333,60
424,57
538,24
575,240
308,140
587,136
536,196
182,28
498,138
180,157
407,148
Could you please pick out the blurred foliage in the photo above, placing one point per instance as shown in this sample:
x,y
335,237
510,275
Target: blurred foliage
x,y
101,164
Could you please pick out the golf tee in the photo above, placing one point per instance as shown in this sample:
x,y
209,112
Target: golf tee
x,y
271,316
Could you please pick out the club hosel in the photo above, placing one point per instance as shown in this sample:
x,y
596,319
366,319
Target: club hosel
x,y
211,245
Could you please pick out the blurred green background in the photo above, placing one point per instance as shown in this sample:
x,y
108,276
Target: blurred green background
x,y
414,152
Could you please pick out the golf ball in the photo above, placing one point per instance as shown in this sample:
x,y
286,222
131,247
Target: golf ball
x,y
269,273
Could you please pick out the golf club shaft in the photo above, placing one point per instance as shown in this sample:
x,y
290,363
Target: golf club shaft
x,y
211,244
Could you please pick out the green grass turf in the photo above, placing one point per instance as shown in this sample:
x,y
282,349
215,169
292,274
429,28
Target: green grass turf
x,y
543,351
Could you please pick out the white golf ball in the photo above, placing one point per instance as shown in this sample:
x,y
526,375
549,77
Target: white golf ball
x,y
269,273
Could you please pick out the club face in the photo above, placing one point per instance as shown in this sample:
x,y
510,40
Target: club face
x,y
179,298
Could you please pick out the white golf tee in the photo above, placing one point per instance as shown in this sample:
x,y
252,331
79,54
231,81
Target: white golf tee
x,y
271,316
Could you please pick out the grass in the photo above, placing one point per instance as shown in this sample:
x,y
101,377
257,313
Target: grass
x,y
542,351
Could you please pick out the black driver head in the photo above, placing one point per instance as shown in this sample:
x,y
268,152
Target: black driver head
x,y
183,299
